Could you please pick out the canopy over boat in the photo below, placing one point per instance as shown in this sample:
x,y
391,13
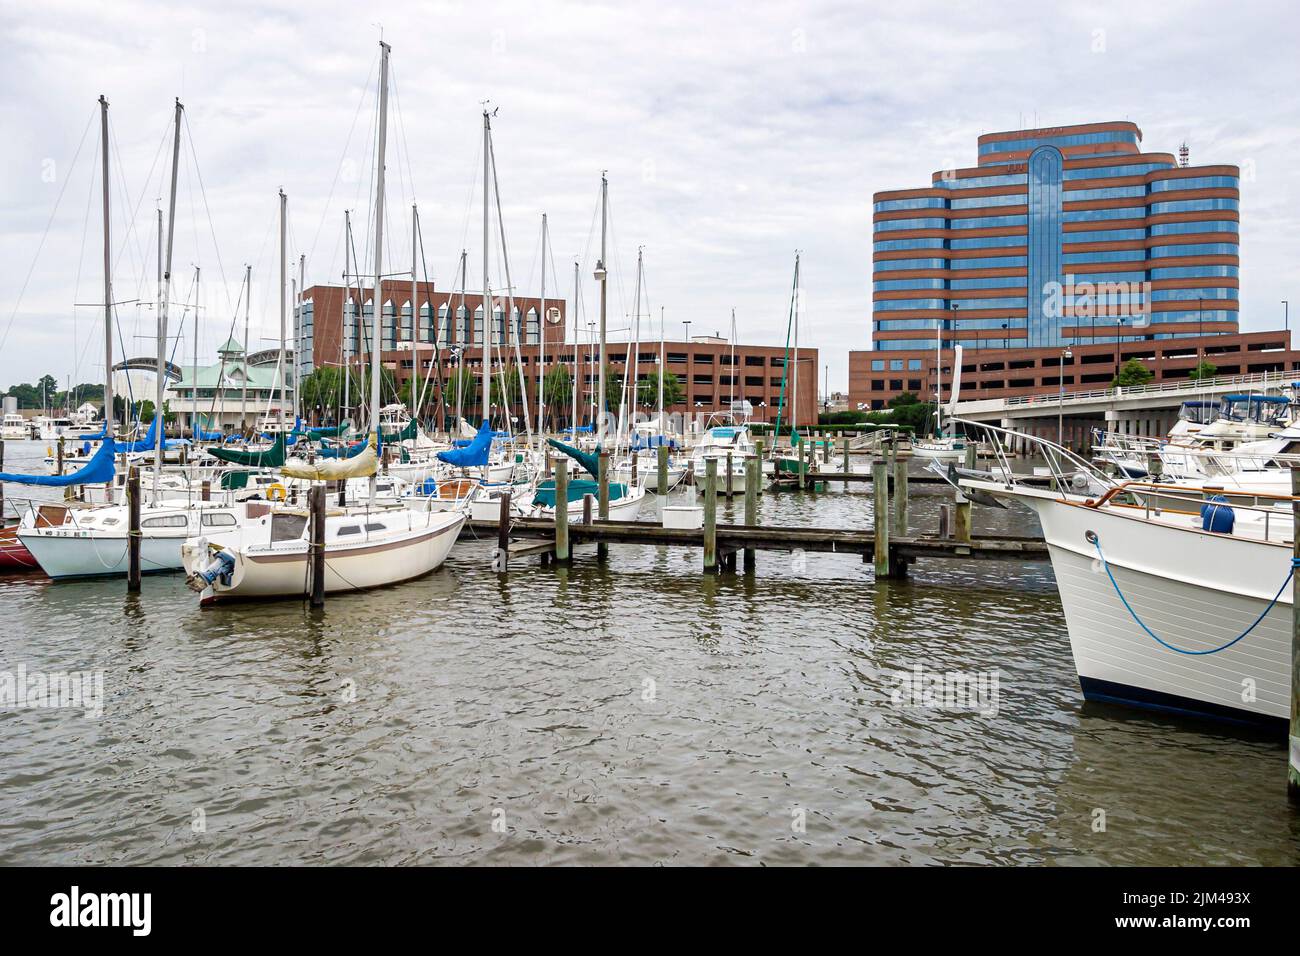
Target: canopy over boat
x,y
97,471
409,432
578,489
316,434
361,465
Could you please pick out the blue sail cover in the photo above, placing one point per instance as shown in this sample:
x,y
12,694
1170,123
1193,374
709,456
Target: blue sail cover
x,y
145,444
473,455
202,435
349,451
97,471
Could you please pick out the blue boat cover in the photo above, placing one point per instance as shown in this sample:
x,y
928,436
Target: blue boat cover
x,y
97,471
578,489
145,444
202,435
473,455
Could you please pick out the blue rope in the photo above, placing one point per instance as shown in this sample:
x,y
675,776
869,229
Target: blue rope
x,y
1295,563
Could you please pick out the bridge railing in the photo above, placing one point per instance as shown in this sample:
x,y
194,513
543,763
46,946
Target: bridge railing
x,y
1274,379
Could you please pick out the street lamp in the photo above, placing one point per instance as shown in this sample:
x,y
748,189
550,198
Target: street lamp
x,y
1286,321
1060,402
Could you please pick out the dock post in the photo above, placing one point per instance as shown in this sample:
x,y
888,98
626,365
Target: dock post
x,y
602,479
205,490
586,508
752,468
844,445
1293,764
133,531
59,455
317,499
963,519
758,449
900,495
826,448
880,488
503,533
970,455
635,456
711,516
562,510
661,485
730,485
803,467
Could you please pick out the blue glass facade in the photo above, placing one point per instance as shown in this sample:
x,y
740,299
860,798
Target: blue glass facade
x,y
1043,321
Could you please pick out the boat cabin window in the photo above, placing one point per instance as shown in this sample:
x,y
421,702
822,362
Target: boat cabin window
x,y
287,527
375,526
218,519
165,521
110,521
350,529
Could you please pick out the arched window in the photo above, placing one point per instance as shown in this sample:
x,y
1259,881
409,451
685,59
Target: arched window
x,y
478,326
532,331
444,325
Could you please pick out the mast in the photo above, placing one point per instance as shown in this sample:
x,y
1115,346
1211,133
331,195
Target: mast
x,y
108,278
415,321
345,345
794,402
634,399
487,296
194,386
243,392
731,392
166,298
459,332
541,350
297,336
938,378
661,372
577,367
602,274
283,368
379,253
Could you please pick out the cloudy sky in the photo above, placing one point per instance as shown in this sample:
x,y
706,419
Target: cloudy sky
x,y
733,136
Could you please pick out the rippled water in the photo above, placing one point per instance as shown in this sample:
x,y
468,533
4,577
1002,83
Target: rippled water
x,y
636,712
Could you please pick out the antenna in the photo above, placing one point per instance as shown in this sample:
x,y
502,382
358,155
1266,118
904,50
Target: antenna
x,y
1183,155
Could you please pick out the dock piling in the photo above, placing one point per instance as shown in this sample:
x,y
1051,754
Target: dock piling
x,y
586,508
503,533
880,489
133,531
602,480
661,475
970,455
844,446
1293,764
900,495
752,468
562,510
711,516
730,486
963,519
317,500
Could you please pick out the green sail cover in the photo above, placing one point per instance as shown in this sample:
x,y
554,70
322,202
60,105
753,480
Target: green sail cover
x,y
585,459
578,489
316,434
409,433
272,457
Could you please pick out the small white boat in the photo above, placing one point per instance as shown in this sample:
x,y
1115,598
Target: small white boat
x,y
943,448
15,428
364,548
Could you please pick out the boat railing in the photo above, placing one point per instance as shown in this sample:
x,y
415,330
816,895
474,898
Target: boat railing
x,y
1271,516
1070,473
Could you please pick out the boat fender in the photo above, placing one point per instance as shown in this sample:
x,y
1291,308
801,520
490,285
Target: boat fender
x,y
1217,515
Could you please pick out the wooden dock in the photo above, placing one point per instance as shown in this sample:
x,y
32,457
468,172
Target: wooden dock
x,y
535,537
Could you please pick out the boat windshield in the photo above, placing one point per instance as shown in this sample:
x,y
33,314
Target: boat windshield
x,y
1199,413
1265,409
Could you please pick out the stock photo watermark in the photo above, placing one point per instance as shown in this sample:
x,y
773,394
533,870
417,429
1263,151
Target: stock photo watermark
x,y
962,691
23,689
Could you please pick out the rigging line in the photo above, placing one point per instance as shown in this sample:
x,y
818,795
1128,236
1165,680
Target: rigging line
x,y
81,261
144,191
203,192
338,169
469,199
221,373
41,245
510,294
131,230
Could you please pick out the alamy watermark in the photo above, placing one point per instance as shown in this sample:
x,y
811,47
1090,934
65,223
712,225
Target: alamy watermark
x,y
81,690
977,691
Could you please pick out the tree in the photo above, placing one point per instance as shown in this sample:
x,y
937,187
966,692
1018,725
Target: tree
x,y
146,412
509,374
648,392
557,390
909,410
464,382
1132,373
323,388
613,390
1203,370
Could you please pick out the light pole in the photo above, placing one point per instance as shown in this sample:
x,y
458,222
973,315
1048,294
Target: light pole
x,y
1060,402
1286,321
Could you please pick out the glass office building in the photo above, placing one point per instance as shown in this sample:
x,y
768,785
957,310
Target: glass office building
x,y
1062,236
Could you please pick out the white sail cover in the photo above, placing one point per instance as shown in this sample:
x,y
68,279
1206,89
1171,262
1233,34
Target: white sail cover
x,y
363,465
956,381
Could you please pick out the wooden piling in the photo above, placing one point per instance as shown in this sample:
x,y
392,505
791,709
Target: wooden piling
x,y
963,520
503,533
826,450
1293,764
662,476
752,468
205,490
844,446
316,498
562,510
880,488
133,531
711,516
900,495
635,456
970,454
803,465
602,481
730,486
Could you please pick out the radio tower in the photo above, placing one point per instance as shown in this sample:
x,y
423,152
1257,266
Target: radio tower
x,y
1183,153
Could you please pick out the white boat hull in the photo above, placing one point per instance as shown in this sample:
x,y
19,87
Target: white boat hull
x,y
78,554
1194,589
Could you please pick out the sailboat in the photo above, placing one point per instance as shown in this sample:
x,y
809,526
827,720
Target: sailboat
x,y
941,447
370,545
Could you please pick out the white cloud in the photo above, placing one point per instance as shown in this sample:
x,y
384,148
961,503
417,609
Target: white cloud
x,y
733,135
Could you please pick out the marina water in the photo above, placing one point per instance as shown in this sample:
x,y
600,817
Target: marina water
x,y
635,712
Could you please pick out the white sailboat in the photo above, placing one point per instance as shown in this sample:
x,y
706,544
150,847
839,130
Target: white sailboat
x,y
941,447
365,546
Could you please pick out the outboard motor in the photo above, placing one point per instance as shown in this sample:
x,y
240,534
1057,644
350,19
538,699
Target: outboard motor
x,y
221,567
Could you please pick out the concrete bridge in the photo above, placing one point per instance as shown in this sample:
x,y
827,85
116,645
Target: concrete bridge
x,y
1143,410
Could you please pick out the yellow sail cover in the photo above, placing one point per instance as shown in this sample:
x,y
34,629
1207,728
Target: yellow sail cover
x,y
363,465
